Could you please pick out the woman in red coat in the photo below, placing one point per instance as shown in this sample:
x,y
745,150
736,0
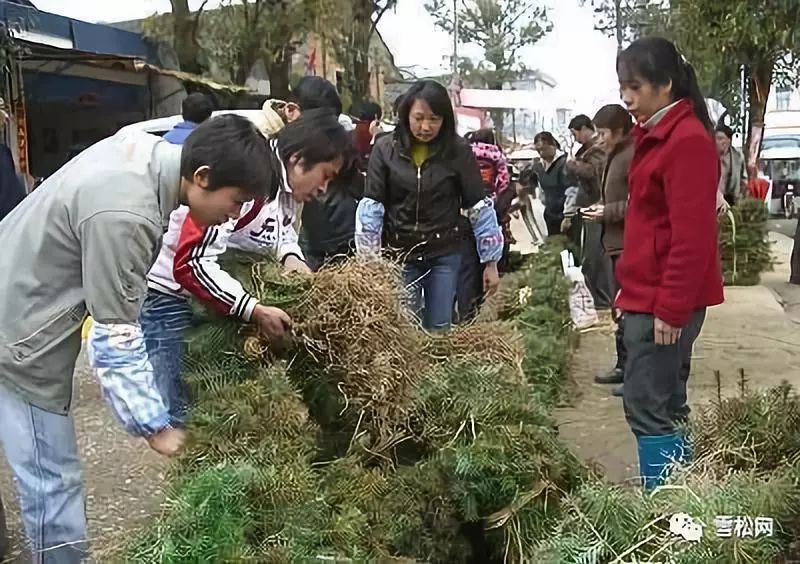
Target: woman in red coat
x,y
670,271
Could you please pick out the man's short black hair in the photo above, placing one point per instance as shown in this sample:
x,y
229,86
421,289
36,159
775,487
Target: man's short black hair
x,y
313,92
722,128
316,137
235,152
580,121
196,108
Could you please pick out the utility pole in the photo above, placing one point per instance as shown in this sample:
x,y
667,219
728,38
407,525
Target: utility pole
x,y
618,23
455,37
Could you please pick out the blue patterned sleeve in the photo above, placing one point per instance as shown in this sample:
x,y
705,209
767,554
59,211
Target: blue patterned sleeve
x,y
369,227
488,235
118,356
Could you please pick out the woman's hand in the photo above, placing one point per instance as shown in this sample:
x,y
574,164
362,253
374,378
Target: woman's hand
x,y
665,334
293,264
593,214
491,278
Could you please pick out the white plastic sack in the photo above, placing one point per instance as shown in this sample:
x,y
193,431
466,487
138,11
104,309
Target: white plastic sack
x,y
581,303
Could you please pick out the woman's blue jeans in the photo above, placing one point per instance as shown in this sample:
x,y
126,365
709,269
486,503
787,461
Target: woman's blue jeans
x,y
432,284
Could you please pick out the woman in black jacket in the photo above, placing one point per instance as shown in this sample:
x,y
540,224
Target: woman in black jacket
x,y
418,182
553,179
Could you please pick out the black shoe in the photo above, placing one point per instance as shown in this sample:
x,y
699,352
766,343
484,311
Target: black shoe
x,y
617,392
616,376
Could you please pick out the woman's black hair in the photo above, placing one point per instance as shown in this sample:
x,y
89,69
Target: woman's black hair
x,y
436,96
547,138
316,137
485,135
658,61
614,117
313,92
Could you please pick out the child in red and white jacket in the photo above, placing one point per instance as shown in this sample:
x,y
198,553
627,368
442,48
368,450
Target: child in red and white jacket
x,y
308,153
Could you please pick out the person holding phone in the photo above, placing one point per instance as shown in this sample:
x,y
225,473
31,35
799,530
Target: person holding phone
x,y
614,124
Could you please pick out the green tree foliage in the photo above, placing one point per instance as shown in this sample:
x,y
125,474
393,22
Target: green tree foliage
x,y
239,34
625,20
500,27
348,27
720,37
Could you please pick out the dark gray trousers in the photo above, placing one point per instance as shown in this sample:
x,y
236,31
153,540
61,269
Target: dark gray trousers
x,y
656,376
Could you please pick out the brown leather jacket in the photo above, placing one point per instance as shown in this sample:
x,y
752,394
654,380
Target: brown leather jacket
x,y
587,168
614,195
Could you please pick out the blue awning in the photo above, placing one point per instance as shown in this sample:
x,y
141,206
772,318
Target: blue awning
x,y
48,88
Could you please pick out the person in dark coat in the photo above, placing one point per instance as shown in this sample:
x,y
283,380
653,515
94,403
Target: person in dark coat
x,y
614,125
587,169
553,180
327,224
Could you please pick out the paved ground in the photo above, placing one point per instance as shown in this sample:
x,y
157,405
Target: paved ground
x,y
750,331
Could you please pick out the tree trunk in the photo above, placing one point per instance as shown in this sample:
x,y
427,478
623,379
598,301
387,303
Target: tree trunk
x,y
760,82
185,29
279,70
361,34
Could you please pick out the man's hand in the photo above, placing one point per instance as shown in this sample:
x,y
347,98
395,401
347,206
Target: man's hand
x,y
566,223
294,264
167,442
491,278
665,334
272,322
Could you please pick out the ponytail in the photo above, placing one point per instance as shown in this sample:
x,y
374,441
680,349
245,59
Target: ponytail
x,y
691,89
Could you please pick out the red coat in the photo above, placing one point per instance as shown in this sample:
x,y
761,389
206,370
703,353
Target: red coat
x,y
671,264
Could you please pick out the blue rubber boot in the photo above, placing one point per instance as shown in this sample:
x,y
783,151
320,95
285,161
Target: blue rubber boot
x,y
656,454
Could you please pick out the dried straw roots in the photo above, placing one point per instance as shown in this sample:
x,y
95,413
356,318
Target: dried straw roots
x,y
354,323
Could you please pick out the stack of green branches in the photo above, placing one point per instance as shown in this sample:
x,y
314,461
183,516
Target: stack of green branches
x,y
744,243
371,440
535,300
746,466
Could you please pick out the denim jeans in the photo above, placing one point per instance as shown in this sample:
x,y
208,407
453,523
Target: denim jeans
x,y
41,449
432,284
164,320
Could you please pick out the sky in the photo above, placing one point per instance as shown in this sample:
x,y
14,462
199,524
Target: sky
x,y
580,58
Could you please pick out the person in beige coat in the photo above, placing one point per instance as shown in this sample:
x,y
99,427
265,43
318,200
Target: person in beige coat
x,y
614,123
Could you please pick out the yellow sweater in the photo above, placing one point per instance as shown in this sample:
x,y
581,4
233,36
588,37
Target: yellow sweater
x,y
419,153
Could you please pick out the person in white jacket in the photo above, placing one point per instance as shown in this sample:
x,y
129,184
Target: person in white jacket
x,y
308,153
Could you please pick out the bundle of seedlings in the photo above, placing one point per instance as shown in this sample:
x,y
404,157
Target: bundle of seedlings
x,y
756,429
744,243
371,440
696,518
498,451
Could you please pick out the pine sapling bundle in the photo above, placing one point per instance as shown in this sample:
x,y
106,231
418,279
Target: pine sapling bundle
x,y
744,243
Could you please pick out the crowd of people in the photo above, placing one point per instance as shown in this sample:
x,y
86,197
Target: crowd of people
x,y
136,225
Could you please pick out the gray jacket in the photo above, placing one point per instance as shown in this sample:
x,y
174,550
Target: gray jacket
x,y
85,238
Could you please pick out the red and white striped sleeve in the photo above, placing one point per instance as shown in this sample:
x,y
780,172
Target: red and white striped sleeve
x,y
197,270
